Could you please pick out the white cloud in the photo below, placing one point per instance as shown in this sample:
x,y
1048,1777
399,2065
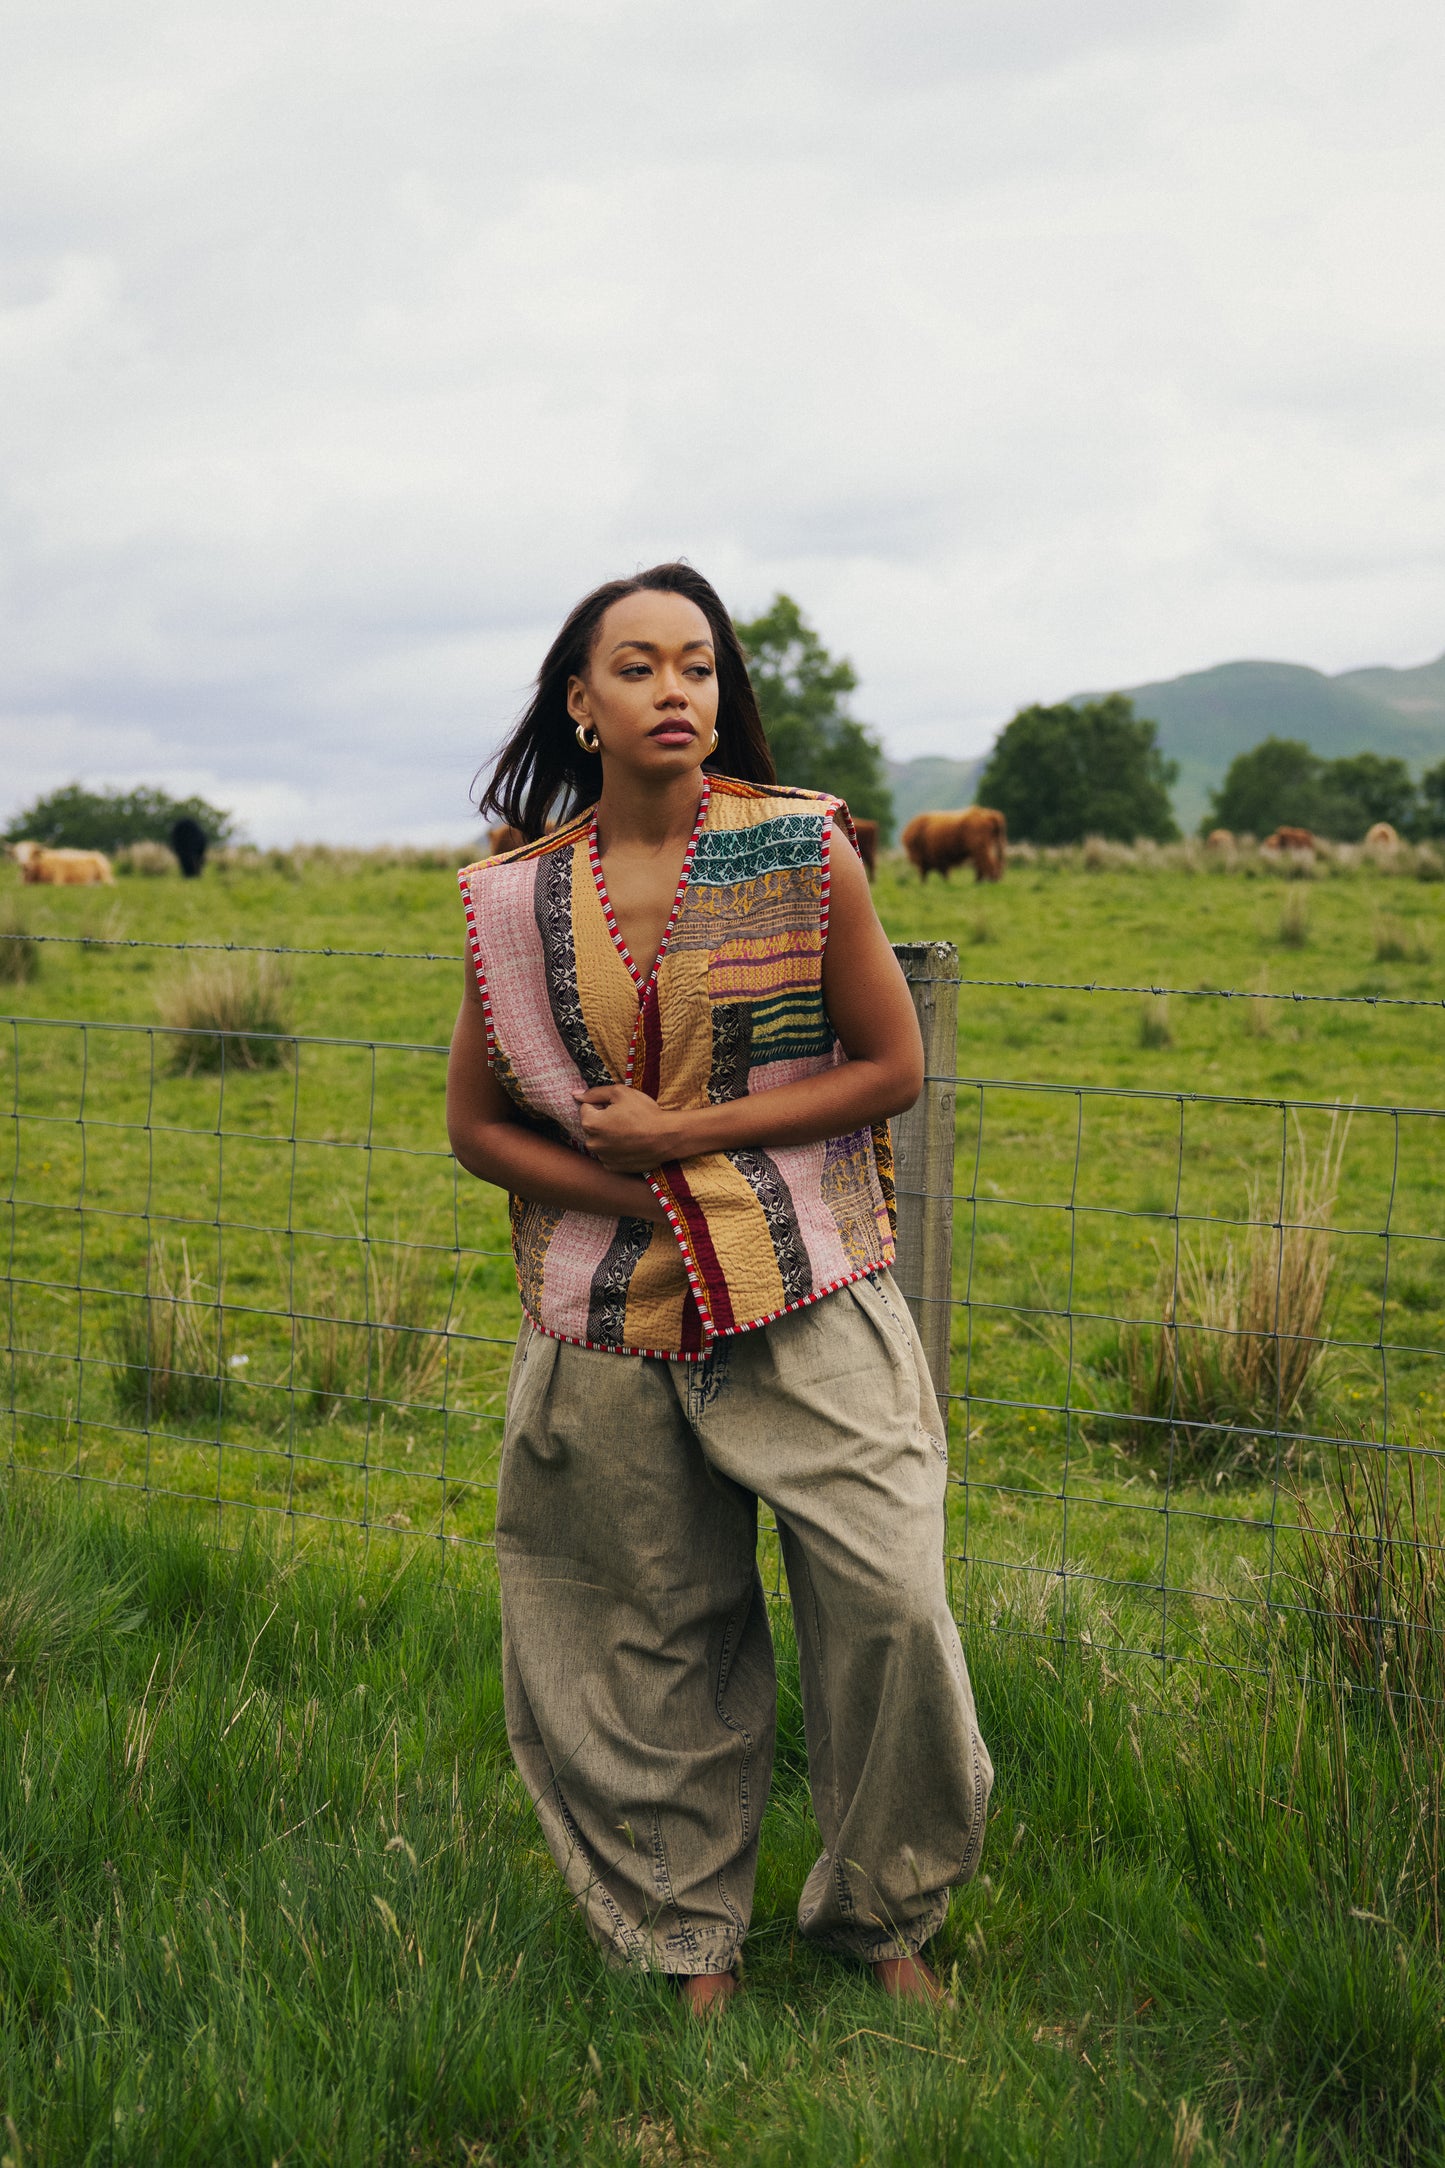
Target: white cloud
x,y
1032,345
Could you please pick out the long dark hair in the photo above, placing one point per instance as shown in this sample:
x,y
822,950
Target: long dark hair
x,y
543,774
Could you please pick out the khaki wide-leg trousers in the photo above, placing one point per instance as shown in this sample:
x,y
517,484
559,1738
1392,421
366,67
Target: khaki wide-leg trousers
x,y
638,1661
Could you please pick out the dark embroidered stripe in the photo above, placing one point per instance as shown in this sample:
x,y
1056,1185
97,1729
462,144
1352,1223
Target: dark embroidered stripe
x,y
732,1051
607,1302
772,1192
552,908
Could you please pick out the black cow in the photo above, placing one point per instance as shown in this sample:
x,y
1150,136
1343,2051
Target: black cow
x,y
188,841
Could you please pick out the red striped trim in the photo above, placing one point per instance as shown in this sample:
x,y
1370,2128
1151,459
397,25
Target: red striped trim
x,y
726,1332
474,944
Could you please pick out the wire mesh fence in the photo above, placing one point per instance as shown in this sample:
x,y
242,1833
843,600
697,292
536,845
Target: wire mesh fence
x,y
1188,1343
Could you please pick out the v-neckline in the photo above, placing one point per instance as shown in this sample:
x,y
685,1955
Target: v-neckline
x,y
642,984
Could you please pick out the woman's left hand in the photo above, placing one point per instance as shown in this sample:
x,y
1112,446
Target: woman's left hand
x,y
625,1129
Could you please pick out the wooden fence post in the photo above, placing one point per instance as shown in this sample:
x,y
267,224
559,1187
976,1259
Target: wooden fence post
x,y
923,1155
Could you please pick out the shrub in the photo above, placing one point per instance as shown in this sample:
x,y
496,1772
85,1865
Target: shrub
x,y
19,950
1429,865
217,1006
165,1346
1241,1342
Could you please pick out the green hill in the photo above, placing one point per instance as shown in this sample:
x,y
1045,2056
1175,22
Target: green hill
x,y
1207,716
932,783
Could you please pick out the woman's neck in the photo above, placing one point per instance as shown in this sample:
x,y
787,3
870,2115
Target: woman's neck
x,y
647,816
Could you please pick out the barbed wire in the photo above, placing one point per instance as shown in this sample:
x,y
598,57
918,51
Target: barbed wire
x,y
238,948
1021,986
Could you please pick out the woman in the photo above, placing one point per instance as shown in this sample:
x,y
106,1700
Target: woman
x,y
682,1034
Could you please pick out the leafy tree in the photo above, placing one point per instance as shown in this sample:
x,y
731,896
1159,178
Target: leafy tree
x,y
1277,782
74,818
1373,787
1281,781
1430,819
802,694
1060,774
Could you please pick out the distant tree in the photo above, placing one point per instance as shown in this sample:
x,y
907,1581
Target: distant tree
x,y
1370,787
1276,783
1282,782
803,694
1060,774
1430,817
74,818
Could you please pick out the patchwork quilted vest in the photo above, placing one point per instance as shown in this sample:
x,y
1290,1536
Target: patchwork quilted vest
x,y
733,1004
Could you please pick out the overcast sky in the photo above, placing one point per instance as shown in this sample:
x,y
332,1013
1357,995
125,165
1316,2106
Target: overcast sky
x,y
1031,344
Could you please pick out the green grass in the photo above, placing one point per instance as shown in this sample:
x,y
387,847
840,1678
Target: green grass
x,y
272,1893
319,1269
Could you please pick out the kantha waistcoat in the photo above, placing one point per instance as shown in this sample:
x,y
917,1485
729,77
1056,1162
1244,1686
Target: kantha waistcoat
x,y
734,1004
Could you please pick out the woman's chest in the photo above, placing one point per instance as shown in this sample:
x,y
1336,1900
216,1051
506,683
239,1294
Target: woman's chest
x,y
641,895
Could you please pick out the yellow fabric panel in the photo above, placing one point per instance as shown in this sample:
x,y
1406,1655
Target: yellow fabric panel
x,y
656,1294
685,1056
739,1234
605,986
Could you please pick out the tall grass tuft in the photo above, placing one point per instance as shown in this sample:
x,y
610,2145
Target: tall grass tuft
x,y
19,950
147,857
397,1353
217,1007
1241,1342
1397,943
1154,1031
165,1346
1372,1574
1294,920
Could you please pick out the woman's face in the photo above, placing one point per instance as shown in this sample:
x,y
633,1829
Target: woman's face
x,y
650,690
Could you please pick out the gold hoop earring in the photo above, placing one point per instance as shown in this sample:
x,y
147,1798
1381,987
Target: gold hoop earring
x,y
588,745
713,747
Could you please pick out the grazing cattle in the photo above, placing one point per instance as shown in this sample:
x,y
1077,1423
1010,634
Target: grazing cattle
x,y
867,834
188,841
1289,839
1219,839
977,836
61,869
1382,837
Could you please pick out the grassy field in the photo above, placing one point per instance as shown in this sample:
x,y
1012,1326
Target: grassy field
x,y
272,1893
351,1308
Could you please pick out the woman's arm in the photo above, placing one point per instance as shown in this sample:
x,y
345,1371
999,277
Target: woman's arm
x,y
872,1012
490,1142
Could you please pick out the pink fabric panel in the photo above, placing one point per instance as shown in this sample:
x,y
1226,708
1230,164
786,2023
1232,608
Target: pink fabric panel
x,y
801,1167
574,1253
512,963
770,1074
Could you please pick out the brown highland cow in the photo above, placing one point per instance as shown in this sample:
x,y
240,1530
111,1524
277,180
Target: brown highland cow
x,y
977,836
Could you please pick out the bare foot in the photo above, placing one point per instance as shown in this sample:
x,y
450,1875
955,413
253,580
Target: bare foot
x,y
705,1993
908,1979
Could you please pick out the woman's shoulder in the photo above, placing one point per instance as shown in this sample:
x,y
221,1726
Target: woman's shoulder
x,y
770,801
